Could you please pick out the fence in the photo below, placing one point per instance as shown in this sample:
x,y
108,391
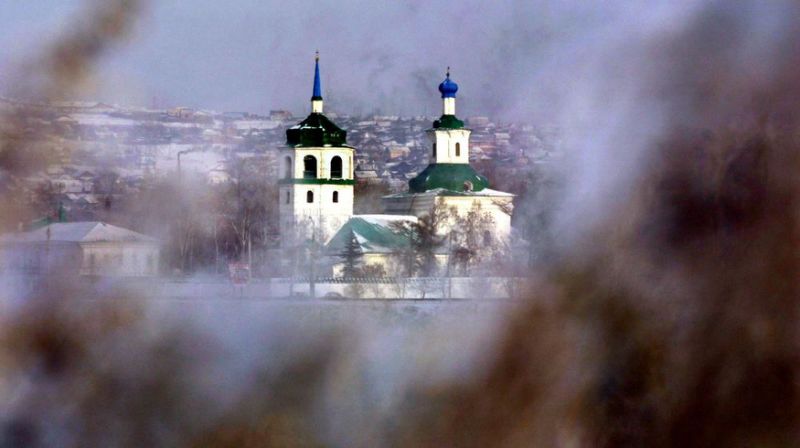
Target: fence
x,y
298,288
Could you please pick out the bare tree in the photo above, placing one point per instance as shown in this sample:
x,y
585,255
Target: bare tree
x,y
245,206
426,237
472,240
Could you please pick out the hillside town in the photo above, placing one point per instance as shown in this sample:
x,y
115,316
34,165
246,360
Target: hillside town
x,y
181,191
104,151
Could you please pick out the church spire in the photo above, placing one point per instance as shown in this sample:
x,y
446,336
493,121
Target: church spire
x,y
316,96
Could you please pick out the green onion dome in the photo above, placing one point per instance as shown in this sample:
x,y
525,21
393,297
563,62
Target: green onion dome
x,y
316,130
450,176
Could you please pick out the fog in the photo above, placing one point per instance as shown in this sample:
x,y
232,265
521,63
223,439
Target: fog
x,y
667,317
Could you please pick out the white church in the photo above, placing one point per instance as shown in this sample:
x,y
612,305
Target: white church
x,y
317,180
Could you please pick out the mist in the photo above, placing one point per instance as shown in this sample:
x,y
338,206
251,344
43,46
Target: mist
x,y
666,315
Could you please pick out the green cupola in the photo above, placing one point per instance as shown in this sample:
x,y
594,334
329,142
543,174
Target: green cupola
x,y
450,176
449,166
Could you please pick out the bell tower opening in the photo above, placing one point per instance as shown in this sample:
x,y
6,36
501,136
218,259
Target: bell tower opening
x,y
336,167
309,167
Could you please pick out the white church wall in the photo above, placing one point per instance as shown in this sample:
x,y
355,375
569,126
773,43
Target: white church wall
x,y
421,204
119,259
463,205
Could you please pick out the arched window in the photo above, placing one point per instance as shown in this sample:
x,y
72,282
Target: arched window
x,y
335,196
434,149
287,168
309,167
458,149
336,167
288,197
310,196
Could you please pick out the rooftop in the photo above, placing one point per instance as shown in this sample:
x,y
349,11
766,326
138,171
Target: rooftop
x,y
316,130
446,192
458,177
78,232
374,234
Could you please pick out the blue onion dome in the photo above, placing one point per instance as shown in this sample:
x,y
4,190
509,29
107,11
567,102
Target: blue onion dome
x,y
448,88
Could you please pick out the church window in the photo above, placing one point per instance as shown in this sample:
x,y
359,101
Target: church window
x,y
335,196
287,168
309,167
434,149
458,149
336,167
310,197
288,196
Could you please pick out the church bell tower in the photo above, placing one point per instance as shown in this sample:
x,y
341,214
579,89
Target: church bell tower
x,y
316,185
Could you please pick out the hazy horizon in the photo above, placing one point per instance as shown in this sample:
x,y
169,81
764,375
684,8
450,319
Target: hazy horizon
x,y
255,56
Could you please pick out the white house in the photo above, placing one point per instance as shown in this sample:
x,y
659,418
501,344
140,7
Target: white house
x,y
89,248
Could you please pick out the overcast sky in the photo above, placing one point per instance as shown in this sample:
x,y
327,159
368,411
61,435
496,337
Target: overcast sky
x,y
510,57
595,70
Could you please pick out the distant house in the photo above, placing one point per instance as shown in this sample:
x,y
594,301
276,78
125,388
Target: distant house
x,y
88,248
280,115
181,112
367,175
478,122
397,152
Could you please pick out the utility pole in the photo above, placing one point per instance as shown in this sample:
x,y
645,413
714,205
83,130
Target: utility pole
x,y
250,253
313,274
449,264
46,269
216,248
180,153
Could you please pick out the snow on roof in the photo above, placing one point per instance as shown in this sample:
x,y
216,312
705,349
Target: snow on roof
x,y
374,234
446,192
78,232
385,220
88,119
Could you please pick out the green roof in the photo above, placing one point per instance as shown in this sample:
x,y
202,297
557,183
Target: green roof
x,y
450,176
316,130
374,233
448,122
